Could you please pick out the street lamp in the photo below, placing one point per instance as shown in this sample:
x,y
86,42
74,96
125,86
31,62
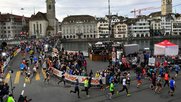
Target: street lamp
x,y
46,47
11,83
4,54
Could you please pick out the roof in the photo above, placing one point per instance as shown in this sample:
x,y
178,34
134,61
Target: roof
x,y
131,21
177,15
166,43
79,18
101,19
39,16
155,14
7,17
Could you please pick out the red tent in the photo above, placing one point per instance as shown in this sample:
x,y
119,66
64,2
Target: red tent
x,y
166,43
166,48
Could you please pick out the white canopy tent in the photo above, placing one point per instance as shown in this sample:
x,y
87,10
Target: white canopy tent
x,y
166,48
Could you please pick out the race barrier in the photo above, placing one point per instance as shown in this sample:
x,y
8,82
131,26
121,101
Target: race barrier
x,y
16,52
72,78
9,58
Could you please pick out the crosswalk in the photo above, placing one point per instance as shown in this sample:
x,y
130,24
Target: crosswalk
x,y
18,77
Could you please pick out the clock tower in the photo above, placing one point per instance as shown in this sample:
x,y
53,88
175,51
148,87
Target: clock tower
x,y
50,6
166,7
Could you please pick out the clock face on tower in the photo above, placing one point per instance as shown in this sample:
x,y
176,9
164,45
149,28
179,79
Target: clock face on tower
x,y
168,1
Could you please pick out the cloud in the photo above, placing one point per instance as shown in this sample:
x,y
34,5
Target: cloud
x,y
78,7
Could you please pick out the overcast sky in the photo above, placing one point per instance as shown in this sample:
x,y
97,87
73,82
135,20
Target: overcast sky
x,y
97,8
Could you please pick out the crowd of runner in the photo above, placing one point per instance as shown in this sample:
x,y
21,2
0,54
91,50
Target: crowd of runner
x,y
119,73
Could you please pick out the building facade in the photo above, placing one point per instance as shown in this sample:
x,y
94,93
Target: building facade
x,y
38,25
139,27
166,24
12,26
103,28
79,27
176,25
120,30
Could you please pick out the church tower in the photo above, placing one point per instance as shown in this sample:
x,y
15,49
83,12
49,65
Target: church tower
x,y
50,6
166,7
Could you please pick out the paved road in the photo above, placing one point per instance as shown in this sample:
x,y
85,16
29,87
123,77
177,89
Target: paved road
x,y
52,92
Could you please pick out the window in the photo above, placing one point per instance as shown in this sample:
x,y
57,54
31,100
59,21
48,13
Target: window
x,y
49,7
40,28
34,28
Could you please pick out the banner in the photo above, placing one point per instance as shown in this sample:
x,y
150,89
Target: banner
x,y
151,62
72,78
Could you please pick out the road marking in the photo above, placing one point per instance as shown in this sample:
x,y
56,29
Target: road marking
x,y
22,92
7,78
44,74
37,77
24,85
17,77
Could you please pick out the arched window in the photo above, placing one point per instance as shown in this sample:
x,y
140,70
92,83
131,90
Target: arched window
x,y
49,6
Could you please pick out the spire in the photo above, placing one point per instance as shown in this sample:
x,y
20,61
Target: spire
x,y
34,10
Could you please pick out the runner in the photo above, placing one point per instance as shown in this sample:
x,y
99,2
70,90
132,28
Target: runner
x,y
158,85
166,78
172,87
139,82
153,81
10,98
124,86
177,69
47,75
111,89
86,86
62,79
76,88
128,76
27,75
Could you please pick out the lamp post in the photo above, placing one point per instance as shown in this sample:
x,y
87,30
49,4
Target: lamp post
x,y
109,19
11,82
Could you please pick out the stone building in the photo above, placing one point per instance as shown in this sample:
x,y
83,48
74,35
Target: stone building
x,y
166,7
79,27
12,26
44,24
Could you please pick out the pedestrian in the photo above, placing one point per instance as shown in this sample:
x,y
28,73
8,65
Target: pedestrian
x,y
124,86
172,86
76,88
86,87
